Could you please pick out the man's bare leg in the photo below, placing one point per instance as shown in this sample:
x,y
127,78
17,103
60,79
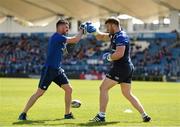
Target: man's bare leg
x,y
31,102
67,98
106,85
126,91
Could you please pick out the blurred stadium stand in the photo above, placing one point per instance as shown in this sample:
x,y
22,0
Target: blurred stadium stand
x,y
154,56
154,30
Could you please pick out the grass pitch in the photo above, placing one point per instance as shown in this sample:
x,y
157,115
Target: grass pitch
x,y
161,101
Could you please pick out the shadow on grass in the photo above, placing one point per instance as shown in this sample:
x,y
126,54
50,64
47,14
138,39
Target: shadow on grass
x,y
69,123
43,122
97,123
34,122
28,122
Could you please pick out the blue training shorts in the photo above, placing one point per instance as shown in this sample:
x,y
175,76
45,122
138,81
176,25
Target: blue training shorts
x,y
49,74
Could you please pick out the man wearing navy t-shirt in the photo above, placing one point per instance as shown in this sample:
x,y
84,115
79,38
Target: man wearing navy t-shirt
x,y
121,70
52,71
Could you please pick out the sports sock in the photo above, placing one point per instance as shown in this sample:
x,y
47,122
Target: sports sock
x,y
144,114
102,114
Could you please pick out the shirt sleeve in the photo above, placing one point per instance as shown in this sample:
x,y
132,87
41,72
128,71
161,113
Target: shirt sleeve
x,y
121,40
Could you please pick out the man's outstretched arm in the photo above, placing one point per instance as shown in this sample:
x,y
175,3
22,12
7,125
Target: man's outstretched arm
x,y
102,36
75,38
90,28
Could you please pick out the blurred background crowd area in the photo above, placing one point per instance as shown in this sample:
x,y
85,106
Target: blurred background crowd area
x,y
26,25
26,54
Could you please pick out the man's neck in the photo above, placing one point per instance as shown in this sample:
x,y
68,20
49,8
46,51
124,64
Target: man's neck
x,y
58,32
117,30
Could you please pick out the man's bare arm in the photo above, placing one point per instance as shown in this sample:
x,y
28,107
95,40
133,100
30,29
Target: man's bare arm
x,y
119,53
75,38
102,36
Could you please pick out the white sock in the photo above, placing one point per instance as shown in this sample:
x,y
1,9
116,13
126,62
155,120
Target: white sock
x,y
144,114
102,114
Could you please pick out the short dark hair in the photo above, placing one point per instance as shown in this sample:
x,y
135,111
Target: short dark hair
x,y
113,20
62,22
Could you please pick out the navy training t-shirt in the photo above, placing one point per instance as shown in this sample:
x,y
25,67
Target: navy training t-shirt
x,y
121,39
56,46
